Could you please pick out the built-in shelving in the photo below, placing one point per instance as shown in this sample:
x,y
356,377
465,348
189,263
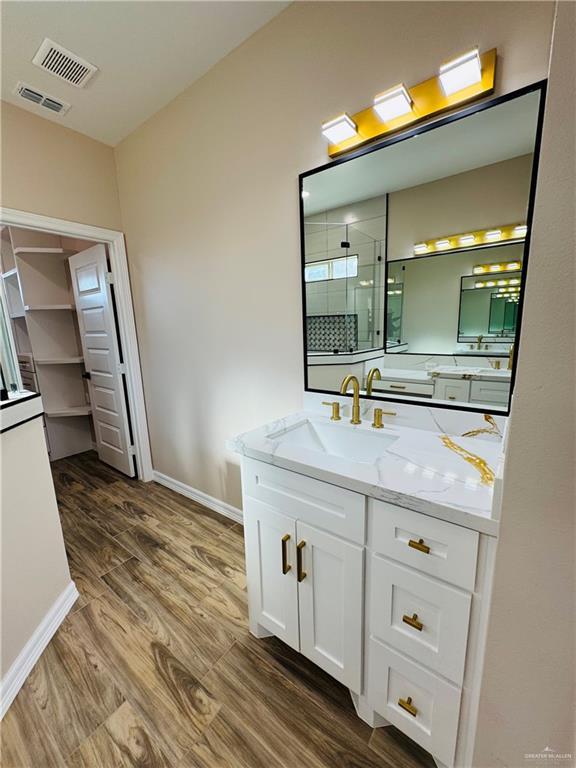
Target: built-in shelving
x,y
76,410
36,275
58,360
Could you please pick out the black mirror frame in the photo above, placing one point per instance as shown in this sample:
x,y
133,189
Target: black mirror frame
x,y
540,87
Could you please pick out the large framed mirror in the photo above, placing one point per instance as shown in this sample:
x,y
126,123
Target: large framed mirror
x,y
415,256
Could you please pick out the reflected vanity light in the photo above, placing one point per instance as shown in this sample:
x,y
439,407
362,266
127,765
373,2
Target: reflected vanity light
x,y
391,280
514,281
393,103
460,73
481,238
339,129
305,194
511,266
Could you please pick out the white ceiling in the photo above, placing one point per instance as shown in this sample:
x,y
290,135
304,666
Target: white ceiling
x,y
487,137
146,53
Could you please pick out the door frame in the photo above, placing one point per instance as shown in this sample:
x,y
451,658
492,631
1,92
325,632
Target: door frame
x,y
125,314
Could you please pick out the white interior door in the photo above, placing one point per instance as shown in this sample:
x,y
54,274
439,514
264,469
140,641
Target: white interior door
x,y
101,357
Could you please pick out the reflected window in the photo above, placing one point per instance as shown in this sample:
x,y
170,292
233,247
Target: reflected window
x,y
334,269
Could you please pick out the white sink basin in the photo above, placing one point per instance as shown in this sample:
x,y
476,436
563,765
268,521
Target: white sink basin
x,y
336,440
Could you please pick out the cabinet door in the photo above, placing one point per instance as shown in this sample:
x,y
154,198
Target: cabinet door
x,y
271,570
330,576
452,389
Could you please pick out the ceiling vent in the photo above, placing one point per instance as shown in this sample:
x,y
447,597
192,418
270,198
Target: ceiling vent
x,y
27,93
66,65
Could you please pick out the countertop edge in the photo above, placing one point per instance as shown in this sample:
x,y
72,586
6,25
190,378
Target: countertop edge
x,y
484,525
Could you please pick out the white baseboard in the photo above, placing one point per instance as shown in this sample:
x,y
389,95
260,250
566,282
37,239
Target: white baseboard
x,y
14,679
202,498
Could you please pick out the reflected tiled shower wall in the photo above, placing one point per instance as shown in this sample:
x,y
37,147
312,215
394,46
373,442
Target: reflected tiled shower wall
x,y
363,226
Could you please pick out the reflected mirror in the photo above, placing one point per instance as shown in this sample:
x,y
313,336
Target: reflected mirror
x,y
415,256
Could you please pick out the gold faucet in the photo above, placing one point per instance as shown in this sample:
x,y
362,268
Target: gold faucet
x,y
350,379
479,341
511,357
373,374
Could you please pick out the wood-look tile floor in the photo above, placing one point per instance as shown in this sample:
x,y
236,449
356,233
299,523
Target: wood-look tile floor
x,y
154,666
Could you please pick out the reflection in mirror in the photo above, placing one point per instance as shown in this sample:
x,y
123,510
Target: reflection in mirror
x,y
414,259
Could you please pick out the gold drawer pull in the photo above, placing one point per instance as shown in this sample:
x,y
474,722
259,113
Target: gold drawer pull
x,y
412,621
419,545
408,706
285,566
300,573
397,386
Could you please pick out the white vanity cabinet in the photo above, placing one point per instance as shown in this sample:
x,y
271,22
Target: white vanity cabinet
x,y
389,601
305,583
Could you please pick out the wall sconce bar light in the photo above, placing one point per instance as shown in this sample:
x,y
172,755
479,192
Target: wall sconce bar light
x,y
481,238
458,81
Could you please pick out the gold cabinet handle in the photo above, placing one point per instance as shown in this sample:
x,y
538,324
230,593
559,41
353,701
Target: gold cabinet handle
x,y
300,573
285,566
397,386
408,706
419,545
413,622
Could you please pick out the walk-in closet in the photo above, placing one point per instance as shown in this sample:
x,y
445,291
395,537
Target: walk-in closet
x,y
60,300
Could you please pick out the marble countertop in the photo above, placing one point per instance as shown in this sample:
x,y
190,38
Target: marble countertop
x,y
481,374
450,477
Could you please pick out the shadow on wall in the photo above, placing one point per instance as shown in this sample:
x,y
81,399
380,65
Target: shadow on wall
x,y
231,483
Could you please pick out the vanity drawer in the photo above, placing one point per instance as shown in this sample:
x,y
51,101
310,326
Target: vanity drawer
x,y
446,551
433,703
326,506
489,392
419,616
406,387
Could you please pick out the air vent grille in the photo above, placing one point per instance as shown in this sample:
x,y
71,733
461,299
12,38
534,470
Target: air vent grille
x,y
64,64
41,99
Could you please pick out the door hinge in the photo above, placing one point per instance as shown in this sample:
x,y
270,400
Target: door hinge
x,y
121,368
132,450
109,278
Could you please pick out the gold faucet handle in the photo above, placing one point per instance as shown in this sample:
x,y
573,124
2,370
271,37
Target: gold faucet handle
x,y
389,413
335,410
377,421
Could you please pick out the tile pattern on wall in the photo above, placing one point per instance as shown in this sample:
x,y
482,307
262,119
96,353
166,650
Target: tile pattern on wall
x,y
328,333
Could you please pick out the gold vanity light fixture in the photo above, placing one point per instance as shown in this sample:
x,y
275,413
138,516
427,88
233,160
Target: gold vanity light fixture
x,y
458,81
505,266
480,238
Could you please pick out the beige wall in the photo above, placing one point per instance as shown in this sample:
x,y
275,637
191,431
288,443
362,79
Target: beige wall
x,y
479,199
34,566
529,679
51,170
208,190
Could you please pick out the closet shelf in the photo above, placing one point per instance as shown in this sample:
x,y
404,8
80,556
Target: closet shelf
x,y
16,315
32,249
58,360
10,273
75,410
36,307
